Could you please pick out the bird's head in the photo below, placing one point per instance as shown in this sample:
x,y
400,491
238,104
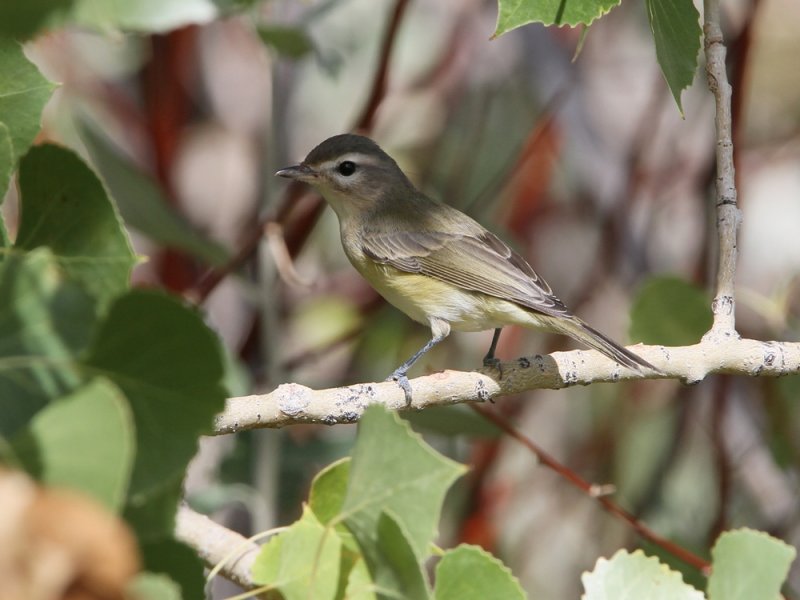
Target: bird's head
x,y
352,173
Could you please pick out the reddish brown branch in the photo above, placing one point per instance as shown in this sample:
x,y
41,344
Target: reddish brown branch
x,y
591,490
381,80
166,93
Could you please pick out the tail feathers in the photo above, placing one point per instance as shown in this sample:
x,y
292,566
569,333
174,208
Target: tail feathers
x,y
597,341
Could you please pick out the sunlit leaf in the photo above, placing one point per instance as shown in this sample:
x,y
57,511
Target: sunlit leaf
x,y
302,562
328,490
634,577
393,471
84,441
748,564
470,573
516,13
64,206
23,94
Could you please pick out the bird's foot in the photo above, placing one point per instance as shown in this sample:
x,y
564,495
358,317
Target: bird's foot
x,y
400,378
490,362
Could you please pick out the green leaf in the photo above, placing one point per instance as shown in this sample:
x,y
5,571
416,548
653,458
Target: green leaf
x,y
469,572
152,586
65,207
142,203
6,169
147,16
178,561
359,583
84,441
515,13
394,471
45,322
748,564
328,490
676,31
170,367
302,562
288,41
23,94
452,421
399,568
644,439
668,310
633,577
23,19
152,515
267,564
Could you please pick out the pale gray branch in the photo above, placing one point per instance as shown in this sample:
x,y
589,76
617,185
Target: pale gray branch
x,y
215,543
291,403
728,213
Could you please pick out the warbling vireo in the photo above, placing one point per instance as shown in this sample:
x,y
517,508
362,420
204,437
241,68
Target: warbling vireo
x,y
433,262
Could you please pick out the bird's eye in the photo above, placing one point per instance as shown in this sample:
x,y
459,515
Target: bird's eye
x,y
346,168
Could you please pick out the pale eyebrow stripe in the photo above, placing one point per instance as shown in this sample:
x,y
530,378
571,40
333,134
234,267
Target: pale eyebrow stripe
x,y
356,157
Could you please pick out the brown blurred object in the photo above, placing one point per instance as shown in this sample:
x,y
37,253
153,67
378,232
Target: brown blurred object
x,y
56,544
167,82
533,174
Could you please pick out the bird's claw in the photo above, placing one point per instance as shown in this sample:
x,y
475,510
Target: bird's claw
x,y
400,378
490,362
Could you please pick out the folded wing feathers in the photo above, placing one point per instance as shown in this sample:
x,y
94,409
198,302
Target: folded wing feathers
x,y
486,265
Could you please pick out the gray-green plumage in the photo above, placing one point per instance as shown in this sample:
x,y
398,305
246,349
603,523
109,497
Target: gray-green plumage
x,y
433,262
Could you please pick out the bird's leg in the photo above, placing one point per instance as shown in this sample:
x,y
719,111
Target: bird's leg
x,y
489,360
440,330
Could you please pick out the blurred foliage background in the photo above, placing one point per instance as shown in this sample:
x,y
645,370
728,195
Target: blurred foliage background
x,y
584,165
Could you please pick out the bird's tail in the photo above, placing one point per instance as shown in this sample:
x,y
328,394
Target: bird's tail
x,y
580,331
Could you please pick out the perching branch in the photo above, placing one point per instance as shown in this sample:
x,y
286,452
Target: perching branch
x,y
292,404
728,213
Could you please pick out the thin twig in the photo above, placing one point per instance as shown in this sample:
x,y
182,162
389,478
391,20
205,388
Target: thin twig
x,y
593,491
728,214
282,257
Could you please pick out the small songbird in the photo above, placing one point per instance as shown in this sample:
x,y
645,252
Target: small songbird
x,y
433,262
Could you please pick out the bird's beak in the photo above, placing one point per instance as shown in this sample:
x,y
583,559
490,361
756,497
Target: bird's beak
x,y
301,172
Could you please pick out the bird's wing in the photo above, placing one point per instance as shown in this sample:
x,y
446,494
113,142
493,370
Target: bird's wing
x,y
478,262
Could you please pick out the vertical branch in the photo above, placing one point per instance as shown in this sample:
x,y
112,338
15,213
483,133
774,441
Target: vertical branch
x,y
728,214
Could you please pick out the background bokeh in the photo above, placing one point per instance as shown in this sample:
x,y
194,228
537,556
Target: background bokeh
x,y
583,163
